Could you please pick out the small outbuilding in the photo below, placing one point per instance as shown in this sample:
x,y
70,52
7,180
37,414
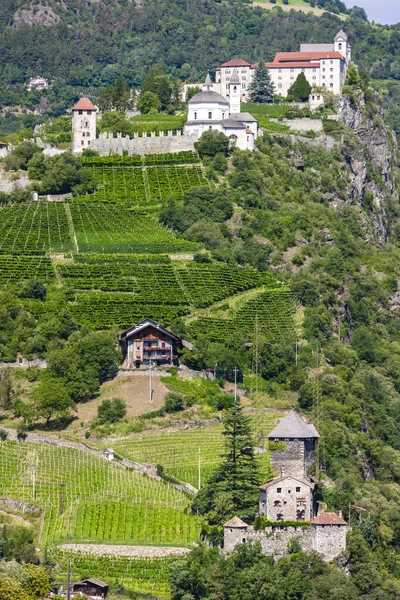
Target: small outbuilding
x,y
149,344
108,454
92,587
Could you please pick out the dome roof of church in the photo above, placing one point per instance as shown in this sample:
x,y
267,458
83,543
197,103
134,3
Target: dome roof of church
x,y
208,97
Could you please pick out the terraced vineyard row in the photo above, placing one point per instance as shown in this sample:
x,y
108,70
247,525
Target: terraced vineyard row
x,y
102,311
274,310
16,268
34,228
116,229
170,158
136,186
144,575
87,498
196,284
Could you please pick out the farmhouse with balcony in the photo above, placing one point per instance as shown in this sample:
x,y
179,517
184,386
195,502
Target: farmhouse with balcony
x,y
147,343
288,498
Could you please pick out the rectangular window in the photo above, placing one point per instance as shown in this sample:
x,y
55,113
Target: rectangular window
x,y
210,115
279,490
89,112
80,112
195,115
243,86
297,489
82,142
88,143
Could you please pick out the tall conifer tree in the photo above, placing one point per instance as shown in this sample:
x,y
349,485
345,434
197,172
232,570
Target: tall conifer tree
x,y
261,88
233,488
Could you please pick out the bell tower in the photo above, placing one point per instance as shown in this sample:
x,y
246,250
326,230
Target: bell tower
x,y
234,93
341,45
83,125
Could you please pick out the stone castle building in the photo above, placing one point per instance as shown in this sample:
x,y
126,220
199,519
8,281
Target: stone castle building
x,y
290,497
324,65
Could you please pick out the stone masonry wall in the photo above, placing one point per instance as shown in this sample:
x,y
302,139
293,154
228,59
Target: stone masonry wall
x,y
153,144
291,493
289,461
329,540
273,540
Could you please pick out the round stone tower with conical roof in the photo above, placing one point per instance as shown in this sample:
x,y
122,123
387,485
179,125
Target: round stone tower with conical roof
x,y
299,441
83,125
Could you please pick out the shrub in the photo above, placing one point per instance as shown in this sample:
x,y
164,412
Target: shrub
x,y
3,435
111,411
174,402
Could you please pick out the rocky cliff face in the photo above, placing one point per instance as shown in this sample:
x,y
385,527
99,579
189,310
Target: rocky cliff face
x,y
371,162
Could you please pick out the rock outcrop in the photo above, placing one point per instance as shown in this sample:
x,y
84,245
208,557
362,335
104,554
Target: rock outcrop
x,y
371,163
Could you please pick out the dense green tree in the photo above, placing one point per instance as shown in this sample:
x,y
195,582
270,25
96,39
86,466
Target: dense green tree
x,y
51,398
261,88
211,143
300,90
111,411
149,102
233,487
118,96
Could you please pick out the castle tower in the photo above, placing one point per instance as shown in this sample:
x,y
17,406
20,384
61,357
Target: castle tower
x,y
341,44
234,93
83,125
297,458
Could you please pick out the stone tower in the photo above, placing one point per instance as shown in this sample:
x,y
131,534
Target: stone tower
x,y
341,44
234,93
83,125
300,440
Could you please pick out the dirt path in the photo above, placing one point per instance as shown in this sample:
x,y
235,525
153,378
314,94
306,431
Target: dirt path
x,y
133,551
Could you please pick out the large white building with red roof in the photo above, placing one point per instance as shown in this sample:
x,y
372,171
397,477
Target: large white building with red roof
x,y
324,66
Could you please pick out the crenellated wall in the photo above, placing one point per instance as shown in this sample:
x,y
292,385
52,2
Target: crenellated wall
x,y
328,540
162,143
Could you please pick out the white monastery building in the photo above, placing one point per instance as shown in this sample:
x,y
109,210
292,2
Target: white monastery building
x,y
210,110
37,83
324,65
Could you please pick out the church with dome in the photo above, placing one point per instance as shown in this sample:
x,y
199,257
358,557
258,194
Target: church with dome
x,y
209,110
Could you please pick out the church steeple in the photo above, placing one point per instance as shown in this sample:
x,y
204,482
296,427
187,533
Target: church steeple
x,y
234,93
207,84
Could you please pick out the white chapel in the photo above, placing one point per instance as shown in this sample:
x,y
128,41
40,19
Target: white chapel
x,y
210,110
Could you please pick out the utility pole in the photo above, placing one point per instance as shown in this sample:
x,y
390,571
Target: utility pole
x,y
199,483
69,580
150,383
235,370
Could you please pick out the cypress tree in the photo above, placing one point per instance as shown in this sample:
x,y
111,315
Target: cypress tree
x,y
300,90
233,488
261,88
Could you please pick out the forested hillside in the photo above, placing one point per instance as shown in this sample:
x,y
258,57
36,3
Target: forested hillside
x,y
82,44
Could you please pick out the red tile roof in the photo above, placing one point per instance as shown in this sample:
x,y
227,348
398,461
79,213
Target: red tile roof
x,y
328,519
236,62
84,104
287,57
298,65
3,143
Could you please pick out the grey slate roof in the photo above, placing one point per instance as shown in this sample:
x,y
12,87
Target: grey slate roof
x,y
235,522
232,124
293,426
235,77
243,117
208,97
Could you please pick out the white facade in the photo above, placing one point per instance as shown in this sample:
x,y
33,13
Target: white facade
x,y
210,110
324,65
83,125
